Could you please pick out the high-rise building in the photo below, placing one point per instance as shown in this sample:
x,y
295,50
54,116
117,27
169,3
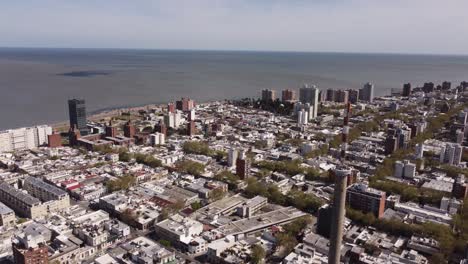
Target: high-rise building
x,y
366,93
446,85
353,96
451,154
185,104
157,139
302,118
268,95
191,129
242,165
129,130
331,95
342,96
288,95
405,169
171,107
361,197
460,187
77,114
191,115
310,94
324,219
24,138
232,157
172,120
406,89
428,87
161,128
419,151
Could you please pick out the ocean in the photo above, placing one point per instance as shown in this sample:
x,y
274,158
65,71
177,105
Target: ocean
x,y
36,83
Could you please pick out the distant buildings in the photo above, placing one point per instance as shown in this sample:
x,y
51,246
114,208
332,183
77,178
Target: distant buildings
x,y
288,95
310,94
24,138
368,200
406,89
173,120
77,114
185,104
366,93
302,118
129,130
268,95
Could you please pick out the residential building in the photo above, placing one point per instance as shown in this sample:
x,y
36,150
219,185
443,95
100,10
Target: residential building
x,y
406,89
22,203
7,216
268,95
46,192
310,94
243,165
451,154
361,197
366,93
288,95
157,139
24,138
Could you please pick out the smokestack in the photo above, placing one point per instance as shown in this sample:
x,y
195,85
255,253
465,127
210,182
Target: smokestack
x,y
339,200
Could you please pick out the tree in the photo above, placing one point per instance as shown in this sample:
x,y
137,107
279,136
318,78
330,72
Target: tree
x,y
190,167
197,147
217,194
122,183
258,254
164,243
125,156
195,206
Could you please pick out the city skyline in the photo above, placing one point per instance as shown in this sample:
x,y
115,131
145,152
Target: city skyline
x,y
318,26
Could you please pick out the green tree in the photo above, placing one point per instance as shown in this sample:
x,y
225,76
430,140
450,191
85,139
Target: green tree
x,y
258,254
190,167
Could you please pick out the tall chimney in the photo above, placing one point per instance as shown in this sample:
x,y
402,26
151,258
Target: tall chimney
x,y
339,200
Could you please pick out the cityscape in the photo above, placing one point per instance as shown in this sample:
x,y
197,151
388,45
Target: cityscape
x,y
233,132
297,176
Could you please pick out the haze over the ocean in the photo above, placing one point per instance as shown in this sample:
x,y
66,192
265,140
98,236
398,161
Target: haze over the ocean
x,y
35,83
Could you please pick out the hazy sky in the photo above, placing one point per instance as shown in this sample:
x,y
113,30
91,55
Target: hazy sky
x,y
406,26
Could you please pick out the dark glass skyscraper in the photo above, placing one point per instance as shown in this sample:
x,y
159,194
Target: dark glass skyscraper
x,y
77,113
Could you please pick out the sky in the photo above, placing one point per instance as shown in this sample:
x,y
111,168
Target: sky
x,y
369,26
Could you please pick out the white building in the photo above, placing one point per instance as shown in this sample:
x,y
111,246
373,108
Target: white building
x,y
24,138
302,118
309,94
451,154
157,139
405,169
419,151
232,157
173,120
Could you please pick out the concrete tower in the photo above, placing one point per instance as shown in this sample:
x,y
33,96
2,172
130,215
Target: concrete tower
x,y
341,174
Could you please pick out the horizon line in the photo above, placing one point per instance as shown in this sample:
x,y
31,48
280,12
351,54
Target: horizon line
x,y
237,50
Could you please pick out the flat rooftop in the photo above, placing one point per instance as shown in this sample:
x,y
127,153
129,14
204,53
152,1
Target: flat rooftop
x,y
261,221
